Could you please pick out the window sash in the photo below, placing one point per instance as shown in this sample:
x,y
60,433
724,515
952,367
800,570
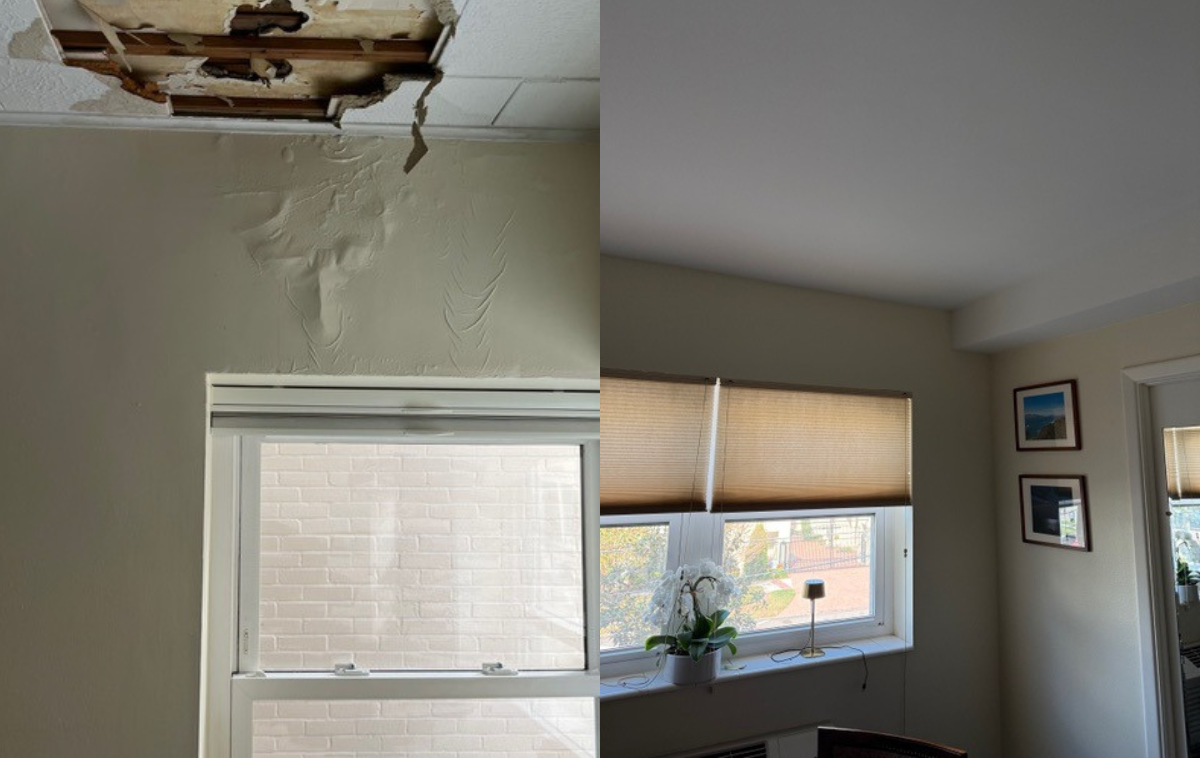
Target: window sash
x,y
700,536
228,686
249,509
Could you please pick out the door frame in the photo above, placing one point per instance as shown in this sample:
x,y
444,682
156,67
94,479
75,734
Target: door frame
x,y
1162,686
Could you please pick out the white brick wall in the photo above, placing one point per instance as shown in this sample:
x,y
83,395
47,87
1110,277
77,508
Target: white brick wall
x,y
421,556
540,728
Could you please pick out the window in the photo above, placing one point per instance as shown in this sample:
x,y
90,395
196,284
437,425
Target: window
x,y
775,484
372,553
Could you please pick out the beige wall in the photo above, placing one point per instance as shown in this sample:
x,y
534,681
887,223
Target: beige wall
x,y
134,263
1069,631
659,318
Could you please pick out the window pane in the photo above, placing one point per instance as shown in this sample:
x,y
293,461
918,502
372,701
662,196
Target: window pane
x,y
632,560
772,559
534,728
421,556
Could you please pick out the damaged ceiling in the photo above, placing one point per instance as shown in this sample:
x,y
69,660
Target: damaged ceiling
x,y
470,68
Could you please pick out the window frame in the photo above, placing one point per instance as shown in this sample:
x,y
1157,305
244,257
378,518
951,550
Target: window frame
x,y
700,536
230,681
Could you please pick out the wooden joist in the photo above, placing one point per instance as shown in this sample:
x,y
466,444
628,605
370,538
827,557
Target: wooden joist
x,y
308,109
392,51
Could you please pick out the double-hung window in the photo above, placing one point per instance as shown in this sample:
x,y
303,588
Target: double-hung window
x,y
776,484
401,572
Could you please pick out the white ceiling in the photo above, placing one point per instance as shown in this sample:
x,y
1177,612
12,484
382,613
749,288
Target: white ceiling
x,y
523,69
983,157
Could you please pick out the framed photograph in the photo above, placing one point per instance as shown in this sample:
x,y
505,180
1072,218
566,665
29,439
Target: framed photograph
x,y
1054,511
1047,416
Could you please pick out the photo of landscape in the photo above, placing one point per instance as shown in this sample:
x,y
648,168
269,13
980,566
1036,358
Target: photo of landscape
x,y
1045,416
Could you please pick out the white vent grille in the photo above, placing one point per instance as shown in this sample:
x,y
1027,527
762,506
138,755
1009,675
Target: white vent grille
x,y
757,750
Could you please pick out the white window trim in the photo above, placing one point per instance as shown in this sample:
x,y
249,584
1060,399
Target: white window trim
x,y
230,682
699,536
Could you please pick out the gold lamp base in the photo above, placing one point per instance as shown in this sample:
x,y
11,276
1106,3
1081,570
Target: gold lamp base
x,y
812,652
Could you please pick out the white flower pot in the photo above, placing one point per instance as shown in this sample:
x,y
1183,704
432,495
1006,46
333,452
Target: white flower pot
x,y
1187,593
681,669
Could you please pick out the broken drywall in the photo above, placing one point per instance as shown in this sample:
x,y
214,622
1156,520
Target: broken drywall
x,y
388,19
117,100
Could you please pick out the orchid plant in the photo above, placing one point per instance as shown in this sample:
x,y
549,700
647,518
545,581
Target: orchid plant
x,y
691,604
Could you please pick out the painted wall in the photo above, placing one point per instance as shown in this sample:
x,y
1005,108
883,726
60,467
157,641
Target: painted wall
x,y
134,263
1069,632
659,318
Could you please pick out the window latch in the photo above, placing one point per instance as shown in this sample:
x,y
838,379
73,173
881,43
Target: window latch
x,y
348,669
498,669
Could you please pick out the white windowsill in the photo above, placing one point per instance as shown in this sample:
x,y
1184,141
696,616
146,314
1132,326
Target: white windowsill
x,y
757,665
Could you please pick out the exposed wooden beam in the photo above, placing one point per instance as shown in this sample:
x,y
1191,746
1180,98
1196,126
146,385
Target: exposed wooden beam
x,y
308,109
394,51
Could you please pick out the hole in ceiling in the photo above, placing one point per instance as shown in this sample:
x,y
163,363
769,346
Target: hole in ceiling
x,y
253,70
255,20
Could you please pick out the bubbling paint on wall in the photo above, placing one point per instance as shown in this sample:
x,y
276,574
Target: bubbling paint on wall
x,y
332,210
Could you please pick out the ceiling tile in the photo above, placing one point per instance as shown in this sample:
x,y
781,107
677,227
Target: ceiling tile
x,y
554,105
34,87
527,39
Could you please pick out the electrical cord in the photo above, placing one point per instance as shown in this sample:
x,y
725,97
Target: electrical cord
x,y
778,657
628,683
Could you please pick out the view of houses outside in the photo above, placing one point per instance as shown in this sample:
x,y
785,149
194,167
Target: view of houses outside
x,y
771,559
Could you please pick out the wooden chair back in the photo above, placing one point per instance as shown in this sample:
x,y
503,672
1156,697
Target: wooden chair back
x,y
833,742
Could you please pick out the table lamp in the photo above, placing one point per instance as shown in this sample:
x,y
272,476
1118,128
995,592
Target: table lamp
x,y
814,590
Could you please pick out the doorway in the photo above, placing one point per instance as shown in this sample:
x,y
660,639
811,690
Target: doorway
x,y
1158,397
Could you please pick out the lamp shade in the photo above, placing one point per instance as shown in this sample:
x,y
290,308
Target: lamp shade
x,y
814,589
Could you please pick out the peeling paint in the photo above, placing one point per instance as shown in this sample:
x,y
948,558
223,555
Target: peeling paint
x,y
446,14
119,101
33,44
316,237
419,148
475,278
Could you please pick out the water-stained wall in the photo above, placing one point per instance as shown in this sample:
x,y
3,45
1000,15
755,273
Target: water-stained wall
x,y
134,263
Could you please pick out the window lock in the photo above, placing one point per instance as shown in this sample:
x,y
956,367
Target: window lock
x,y
498,669
348,669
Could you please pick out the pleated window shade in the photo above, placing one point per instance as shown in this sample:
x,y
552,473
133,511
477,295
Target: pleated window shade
x,y
1182,446
654,444
785,449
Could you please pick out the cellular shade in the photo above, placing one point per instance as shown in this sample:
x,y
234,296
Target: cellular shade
x,y
654,440
784,449
1183,462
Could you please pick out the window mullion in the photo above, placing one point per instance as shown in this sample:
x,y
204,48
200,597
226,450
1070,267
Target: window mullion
x,y
701,539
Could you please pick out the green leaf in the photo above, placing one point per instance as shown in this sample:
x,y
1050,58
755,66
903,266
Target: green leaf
x,y
698,648
726,630
719,617
732,648
719,640
703,626
661,639
683,639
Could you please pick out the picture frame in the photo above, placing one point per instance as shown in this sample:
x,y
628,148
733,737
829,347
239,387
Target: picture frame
x,y
1054,511
1047,416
